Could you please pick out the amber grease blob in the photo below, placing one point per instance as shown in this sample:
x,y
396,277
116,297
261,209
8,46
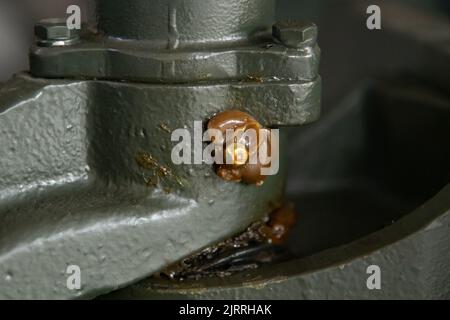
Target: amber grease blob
x,y
280,224
240,169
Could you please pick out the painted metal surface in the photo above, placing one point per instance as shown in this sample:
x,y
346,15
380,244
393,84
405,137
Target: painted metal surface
x,y
75,188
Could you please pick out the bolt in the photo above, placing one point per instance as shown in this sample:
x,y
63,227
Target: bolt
x,y
54,33
295,34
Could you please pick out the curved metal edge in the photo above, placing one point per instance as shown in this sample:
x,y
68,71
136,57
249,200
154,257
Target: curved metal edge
x,y
122,60
405,250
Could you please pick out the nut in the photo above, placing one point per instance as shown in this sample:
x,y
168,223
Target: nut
x,y
295,34
54,32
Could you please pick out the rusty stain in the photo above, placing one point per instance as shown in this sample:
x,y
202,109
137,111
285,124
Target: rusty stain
x,y
160,172
149,181
255,78
165,127
146,161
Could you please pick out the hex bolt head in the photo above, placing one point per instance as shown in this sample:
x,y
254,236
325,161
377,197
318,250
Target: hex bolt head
x,y
295,34
54,32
